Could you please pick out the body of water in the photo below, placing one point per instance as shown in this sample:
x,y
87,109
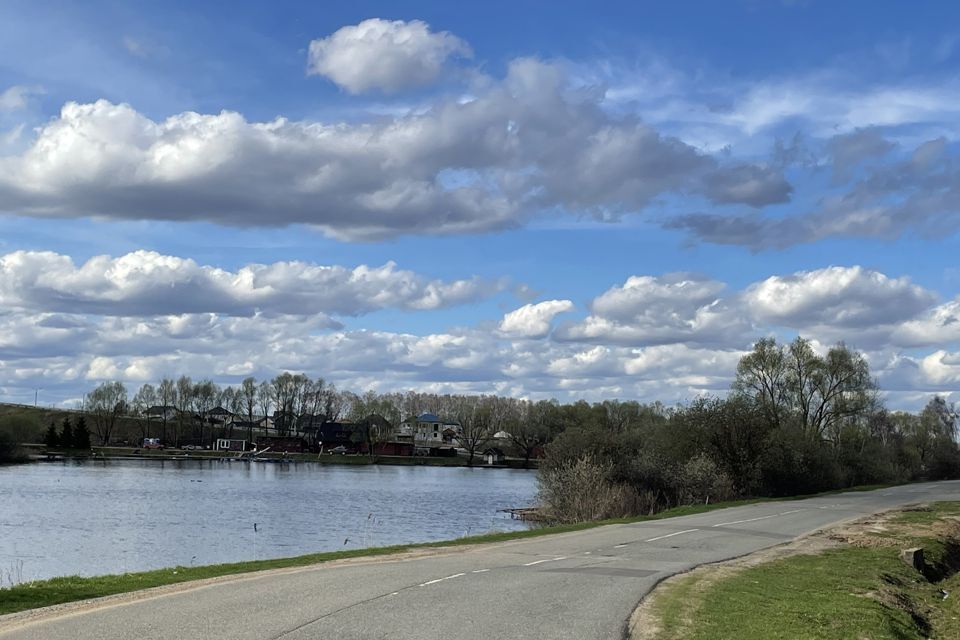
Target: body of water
x,y
99,517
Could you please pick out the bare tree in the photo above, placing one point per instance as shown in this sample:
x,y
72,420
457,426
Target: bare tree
x,y
476,417
248,391
167,396
145,398
265,401
107,403
184,405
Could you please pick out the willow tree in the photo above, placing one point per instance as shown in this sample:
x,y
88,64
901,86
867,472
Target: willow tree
x,y
793,385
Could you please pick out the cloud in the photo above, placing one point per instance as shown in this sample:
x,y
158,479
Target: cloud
x,y
651,310
919,193
16,97
835,303
389,55
840,297
671,337
528,145
147,283
533,320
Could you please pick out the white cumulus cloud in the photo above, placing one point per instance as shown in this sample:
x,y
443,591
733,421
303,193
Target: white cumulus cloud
x,y
389,55
533,320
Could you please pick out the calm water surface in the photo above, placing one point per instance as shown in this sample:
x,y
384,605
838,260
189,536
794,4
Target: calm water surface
x,y
92,518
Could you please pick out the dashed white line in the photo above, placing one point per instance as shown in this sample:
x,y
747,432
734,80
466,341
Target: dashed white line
x,y
724,524
480,570
530,564
786,513
670,535
456,575
619,546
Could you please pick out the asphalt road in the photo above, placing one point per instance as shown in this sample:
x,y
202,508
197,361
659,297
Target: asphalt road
x,y
579,585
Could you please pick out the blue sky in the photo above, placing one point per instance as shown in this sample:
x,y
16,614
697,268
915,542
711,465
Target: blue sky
x,y
569,203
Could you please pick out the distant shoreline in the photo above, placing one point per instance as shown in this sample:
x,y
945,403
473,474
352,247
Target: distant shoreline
x,y
40,455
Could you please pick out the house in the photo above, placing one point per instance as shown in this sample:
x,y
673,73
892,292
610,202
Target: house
x,y
331,435
494,455
219,415
429,430
161,412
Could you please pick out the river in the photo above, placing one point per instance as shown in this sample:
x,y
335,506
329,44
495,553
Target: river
x,y
98,517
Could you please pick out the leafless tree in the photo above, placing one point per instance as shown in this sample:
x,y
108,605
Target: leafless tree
x,y
107,403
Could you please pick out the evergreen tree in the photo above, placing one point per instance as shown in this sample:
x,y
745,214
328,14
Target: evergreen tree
x,y
50,438
66,434
81,435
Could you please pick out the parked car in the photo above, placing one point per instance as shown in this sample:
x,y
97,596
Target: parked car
x,y
339,449
152,443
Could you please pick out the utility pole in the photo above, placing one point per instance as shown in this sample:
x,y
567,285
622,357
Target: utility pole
x,y
36,393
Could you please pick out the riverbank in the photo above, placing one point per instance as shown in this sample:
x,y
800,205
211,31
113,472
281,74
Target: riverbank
x,y
40,453
847,582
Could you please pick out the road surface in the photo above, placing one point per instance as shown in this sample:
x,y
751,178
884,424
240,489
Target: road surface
x,y
580,585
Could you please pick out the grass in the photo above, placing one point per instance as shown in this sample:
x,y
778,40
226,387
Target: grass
x,y
44,593
854,591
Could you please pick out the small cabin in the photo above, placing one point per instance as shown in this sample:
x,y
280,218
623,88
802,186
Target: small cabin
x,y
494,455
229,444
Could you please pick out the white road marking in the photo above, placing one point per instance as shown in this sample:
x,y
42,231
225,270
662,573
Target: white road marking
x,y
786,513
530,564
480,570
619,546
670,535
395,593
456,575
724,524
586,553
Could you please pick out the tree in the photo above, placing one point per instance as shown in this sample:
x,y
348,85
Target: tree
x,y
793,385
184,405
145,398
81,435
107,403
67,438
532,427
265,401
248,391
205,395
167,396
477,426
51,439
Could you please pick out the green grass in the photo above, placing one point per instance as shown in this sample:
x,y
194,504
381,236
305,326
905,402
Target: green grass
x,y
848,592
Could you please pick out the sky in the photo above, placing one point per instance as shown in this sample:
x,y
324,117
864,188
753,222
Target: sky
x,y
529,199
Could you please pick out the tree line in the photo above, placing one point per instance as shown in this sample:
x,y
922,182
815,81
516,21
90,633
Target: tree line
x,y
794,422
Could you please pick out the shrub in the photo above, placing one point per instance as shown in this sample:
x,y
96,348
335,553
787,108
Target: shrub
x,y
581,491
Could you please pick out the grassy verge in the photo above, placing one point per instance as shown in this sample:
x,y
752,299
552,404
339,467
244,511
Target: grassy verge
x,y
858,589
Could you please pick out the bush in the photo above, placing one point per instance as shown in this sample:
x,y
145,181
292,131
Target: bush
x,y
701,480
10,450
581,491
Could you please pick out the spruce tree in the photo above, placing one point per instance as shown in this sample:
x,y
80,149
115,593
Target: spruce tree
x,y
50,438
81,436
66,434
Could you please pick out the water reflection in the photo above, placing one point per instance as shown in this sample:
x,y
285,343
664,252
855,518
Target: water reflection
x,y
94,517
